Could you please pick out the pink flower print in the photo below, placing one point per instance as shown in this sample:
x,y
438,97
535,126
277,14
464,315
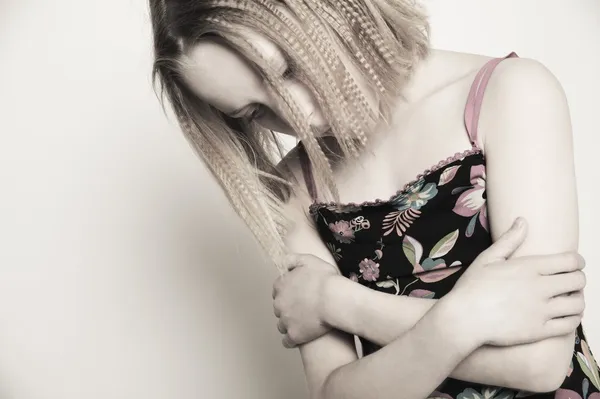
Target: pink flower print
x,y
354,277
569,394
471,202
420,293
369,270
342,231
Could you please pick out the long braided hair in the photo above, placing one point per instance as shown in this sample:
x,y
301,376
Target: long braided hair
x,y
383,38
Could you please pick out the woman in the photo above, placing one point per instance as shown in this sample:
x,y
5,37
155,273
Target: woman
x,y
446,304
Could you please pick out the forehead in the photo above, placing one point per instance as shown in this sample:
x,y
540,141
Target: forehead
x,y
213,69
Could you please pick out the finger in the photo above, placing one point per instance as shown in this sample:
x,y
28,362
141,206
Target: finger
x,y
287,342
561,326
507,243
566,305
276,309
281,327
560,263
562,283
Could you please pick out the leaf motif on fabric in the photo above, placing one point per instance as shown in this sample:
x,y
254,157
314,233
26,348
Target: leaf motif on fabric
x,y
412,249
399,221
588,364
431,264
486,393
444,245
386,284
437,275
471,226
448,174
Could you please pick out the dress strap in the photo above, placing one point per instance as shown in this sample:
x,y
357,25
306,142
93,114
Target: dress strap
x,y
475,99
307,171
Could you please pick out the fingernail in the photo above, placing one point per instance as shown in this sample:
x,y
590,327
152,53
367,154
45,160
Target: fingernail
x,y
518,223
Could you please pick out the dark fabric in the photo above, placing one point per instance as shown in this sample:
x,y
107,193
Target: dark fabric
x,y
419,242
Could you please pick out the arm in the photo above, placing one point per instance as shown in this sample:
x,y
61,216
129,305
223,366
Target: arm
x,y
530,154
531,120
437,343
381,317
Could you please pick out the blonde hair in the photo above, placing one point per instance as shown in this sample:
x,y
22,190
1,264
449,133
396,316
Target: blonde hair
x,y
383,38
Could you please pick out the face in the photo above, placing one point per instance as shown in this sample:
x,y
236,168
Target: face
x,y
220,76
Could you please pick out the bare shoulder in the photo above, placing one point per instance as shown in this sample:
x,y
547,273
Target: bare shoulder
x,y
523,94
452,67
523,78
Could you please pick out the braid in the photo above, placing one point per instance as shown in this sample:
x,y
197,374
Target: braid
x,y
347,81
382,38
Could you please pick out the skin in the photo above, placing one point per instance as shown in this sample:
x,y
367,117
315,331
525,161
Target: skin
x,y
219,75
513,123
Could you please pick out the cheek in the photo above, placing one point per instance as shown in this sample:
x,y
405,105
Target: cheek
x,y
273,122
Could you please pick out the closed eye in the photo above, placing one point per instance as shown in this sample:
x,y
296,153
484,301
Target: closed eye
x,y
288,73
256,111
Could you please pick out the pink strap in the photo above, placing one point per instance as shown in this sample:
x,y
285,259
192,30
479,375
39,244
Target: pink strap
x,y
475,99
472,111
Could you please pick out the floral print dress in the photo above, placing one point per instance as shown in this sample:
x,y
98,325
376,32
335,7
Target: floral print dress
x,y
420,241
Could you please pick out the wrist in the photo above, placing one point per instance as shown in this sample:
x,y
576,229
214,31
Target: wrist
x,y
337,304
465,330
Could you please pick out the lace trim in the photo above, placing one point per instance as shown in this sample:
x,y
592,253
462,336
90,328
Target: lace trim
x,y
459,155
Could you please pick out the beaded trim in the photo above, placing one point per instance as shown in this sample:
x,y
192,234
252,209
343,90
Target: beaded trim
x,y
459,155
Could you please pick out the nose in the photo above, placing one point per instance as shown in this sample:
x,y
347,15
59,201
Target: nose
x,y
302,96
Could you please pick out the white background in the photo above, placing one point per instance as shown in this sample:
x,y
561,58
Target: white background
x,y
123,272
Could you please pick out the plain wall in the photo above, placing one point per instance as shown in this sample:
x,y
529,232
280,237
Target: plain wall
x,y
123,272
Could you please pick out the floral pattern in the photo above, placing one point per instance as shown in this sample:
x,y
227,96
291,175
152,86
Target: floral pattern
x,y
431,269
342,231
486,393
471,202
588,364
408,205
415,197
369,270
418,243
335,252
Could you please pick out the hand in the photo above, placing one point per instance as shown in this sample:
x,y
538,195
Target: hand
x,y
298,299
523,299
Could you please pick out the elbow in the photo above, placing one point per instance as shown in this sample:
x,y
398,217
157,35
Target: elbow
x,y
326,389
550,368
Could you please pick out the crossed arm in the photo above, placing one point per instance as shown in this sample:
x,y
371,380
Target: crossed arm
x,y
531,119
381,318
